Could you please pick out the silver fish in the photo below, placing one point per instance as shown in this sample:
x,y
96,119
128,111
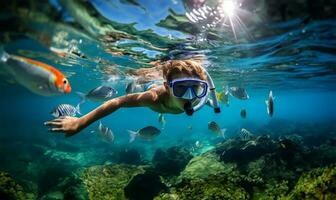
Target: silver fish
x,y
270,104
65,110
101,93
214,127
133,87
105,133
239,93
148,133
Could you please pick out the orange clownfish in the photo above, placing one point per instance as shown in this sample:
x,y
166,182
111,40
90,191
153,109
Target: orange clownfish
x,y
36,76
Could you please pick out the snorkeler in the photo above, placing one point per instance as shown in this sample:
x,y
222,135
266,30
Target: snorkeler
x,y
185,89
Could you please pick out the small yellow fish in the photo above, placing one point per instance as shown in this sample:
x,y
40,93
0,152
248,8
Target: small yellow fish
x,y
223,97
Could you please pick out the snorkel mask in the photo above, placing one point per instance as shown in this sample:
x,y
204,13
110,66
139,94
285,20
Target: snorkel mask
x,y
193,89
189,88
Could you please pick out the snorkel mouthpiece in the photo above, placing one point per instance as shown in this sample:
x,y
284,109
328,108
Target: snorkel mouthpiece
x,y
188,108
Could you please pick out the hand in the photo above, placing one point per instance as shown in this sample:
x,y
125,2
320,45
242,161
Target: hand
x,y
66,124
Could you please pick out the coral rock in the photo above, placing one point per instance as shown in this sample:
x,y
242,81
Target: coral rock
x,y
10,190
317,184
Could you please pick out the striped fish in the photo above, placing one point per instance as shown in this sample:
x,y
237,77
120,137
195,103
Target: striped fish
x,y
105,133
245,134
65,110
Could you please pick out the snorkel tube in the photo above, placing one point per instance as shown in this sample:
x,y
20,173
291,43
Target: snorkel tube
x,y
189,109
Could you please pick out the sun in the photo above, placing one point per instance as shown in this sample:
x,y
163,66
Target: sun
x,y
228,7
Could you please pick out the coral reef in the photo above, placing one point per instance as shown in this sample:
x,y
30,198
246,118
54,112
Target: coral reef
x,y
319,183
144,186
260,168
11,190
213,187
203,166
242,152
172,161
69,188
108,182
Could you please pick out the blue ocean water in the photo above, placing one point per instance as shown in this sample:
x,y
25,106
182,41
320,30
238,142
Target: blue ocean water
x,y
295,59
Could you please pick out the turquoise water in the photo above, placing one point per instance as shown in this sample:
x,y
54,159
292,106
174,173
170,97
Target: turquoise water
x,y
295,59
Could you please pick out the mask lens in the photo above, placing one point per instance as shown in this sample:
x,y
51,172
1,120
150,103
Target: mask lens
x,y
179,89
198,88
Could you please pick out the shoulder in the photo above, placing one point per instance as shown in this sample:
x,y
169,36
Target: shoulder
x,y
158,91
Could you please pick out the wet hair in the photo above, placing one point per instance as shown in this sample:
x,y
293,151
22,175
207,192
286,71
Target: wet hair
x,y
189,67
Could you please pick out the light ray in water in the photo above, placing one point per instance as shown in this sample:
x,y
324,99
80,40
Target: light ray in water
x,y
230,10
233,27
226,14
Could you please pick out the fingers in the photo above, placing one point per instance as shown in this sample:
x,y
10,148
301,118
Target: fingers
x,y
54,121
56,130
48,123
57,120
56,124
51,123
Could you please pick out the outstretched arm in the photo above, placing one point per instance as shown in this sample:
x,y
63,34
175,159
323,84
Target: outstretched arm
x,y
132,100
72,125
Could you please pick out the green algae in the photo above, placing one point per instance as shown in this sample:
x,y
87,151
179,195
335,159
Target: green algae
x,y
286,170
214,187
11,190
266,175
171,162
319,183
108,182
203,166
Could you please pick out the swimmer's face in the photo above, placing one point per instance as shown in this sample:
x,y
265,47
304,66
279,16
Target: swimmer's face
x,y
178,101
